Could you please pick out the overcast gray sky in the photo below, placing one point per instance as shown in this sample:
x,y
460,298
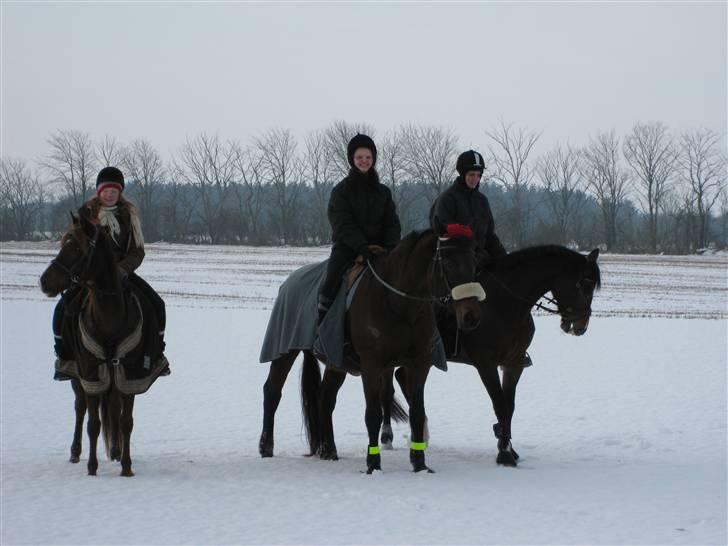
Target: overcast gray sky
x,y
165,71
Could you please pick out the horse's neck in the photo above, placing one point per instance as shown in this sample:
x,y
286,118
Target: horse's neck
x,y
108,308
409,273
527,282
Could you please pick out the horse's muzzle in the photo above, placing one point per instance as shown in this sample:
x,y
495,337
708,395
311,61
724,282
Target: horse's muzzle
x,y
576,327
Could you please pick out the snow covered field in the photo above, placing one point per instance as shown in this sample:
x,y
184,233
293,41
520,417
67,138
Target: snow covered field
x,y
622,432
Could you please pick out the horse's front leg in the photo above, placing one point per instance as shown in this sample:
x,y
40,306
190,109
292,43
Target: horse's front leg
x,y
489,376
506,454
330,385
94,428
416,378
272,388
126,424
79,405
372,382
114,408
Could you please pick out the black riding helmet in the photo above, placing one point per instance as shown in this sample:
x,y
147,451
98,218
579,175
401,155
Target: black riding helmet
x,y
469,161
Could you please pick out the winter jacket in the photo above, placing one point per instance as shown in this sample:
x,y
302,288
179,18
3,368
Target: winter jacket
x,y
460,205
362,212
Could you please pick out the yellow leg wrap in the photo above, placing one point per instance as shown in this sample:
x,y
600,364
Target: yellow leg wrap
x,y
418,446
373,450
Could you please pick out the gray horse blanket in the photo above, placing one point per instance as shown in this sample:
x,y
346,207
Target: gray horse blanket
x,y
292,324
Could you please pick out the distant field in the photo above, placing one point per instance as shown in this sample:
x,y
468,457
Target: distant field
x,y
249,277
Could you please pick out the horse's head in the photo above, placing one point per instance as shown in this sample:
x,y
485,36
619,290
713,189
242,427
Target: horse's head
x,y
574,292
456,261
73,264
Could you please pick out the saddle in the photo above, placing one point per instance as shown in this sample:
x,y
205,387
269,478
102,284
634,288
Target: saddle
x,y
131,376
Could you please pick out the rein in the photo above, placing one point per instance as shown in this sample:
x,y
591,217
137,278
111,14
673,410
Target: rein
x,y
551,301
84,262
442,299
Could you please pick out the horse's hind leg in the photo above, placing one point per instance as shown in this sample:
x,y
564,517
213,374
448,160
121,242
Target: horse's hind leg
x,y
93,428
272,388
79,406
330,386
114,409
387,402
126,424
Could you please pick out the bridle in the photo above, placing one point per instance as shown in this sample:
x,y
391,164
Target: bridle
x,y
550,301
77,271
437,259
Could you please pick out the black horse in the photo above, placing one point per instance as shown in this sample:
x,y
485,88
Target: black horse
x,y
108,331
513,285
391,320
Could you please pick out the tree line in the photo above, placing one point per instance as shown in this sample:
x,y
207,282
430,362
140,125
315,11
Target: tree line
x,y
647,191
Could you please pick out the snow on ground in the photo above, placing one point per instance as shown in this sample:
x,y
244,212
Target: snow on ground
x,y
622,432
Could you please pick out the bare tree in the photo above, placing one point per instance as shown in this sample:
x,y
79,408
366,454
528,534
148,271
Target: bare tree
x,y
430,155
19,195
249,193
561,175
650,152
177,209
509,154
318,168
71,163
338,135
606,180
393,172
209,166
109,153
703,166
144,168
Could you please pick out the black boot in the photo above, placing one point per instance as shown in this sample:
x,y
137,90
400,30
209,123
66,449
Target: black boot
x,y
324,303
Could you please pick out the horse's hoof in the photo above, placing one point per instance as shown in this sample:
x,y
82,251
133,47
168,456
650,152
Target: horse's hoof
x,y
420,469
74,459
265,446
371,470
374,462
506,458
329,456
91,472
387,438
386,445
515,455
127,472
115,454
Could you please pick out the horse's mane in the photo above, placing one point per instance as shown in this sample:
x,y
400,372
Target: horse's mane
x,y
529,254
75,231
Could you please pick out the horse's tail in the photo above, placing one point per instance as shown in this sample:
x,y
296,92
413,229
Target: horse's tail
x,y
397,411
310,388
106,428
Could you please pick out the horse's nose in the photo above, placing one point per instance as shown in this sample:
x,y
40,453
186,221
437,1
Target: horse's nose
x,y
470,321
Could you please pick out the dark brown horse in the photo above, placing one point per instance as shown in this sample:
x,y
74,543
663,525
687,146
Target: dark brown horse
x,y
513,285
106,337
391,320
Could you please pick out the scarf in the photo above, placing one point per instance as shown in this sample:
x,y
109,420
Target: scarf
x,y
108,218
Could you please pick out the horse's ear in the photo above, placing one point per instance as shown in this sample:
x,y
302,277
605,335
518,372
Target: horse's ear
x,y
593,255
74,218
